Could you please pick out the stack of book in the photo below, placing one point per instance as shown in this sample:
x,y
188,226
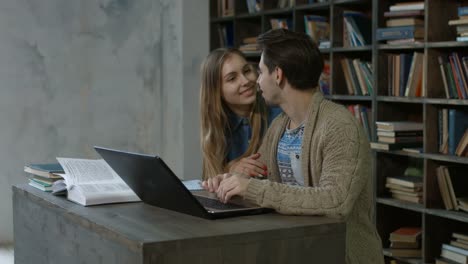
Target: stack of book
x,y
405,242
406,188
318,28
456,251
461,23
249,45
398,134
356,29
405,24
454,194
43,176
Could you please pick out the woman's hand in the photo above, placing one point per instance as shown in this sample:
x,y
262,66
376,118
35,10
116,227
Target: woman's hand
x,y
250,166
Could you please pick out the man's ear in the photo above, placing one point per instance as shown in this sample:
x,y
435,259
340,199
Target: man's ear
x,y
279,76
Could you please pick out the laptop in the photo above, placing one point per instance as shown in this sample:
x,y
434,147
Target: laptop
x,y
155,184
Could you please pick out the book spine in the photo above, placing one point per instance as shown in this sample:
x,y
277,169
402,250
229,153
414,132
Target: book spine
x,y
396,33
463,11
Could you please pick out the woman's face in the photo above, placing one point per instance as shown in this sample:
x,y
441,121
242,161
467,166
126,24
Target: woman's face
x,y
238,84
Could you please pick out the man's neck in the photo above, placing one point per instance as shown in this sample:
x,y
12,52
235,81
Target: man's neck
x,y
296,105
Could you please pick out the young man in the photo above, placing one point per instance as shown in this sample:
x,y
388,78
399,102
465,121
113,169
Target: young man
x,y
317,155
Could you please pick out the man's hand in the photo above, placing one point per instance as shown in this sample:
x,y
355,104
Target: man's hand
x,y
231,185
250,166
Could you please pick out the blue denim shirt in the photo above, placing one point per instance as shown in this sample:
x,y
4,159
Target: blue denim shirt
x,y
238,141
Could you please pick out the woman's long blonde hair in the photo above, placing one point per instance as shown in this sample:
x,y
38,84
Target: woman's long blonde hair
x,y
214,119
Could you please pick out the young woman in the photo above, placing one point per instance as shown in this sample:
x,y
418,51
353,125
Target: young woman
x,y
234,116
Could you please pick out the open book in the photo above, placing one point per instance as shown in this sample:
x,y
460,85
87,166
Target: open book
x,y
91,182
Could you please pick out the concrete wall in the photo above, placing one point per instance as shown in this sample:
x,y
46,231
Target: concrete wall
x,y
115,73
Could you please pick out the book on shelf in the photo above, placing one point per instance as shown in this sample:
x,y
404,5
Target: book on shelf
x,y
462,148
46,170
443,188
463,203
457,125
357,29
93,182
407,198
407,21
460,236
399,125
324,81
406,234
402,32
404,252
454,253
413,150
317,27
403,188
404,13
405,244
407,6
406,181
392,133
399,139
459,244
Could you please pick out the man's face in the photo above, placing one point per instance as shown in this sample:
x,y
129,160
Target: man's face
x,y
267,82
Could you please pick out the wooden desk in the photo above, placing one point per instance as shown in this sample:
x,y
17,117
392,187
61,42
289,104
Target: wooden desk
x,y
51,229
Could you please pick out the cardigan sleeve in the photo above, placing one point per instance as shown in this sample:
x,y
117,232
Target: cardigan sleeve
x,y
345,171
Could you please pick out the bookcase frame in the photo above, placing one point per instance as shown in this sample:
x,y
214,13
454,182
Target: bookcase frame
x,y
437,223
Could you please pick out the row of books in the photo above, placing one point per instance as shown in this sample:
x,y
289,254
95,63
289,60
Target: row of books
x,y
226,35
405,23
454,71
358,76
405,242
406,188
357,29
456,251
225,8
318,28
277,23
363,116
461,23
452,189
395,135
405,74
453,131
324,80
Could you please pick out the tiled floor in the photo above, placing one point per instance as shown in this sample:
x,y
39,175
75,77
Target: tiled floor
x,y
6,254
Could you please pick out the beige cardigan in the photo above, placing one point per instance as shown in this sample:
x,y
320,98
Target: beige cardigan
x,y
336,164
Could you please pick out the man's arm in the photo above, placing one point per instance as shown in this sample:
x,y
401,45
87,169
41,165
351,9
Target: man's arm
x,y
345,171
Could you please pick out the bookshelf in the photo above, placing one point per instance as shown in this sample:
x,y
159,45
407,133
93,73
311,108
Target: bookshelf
x,y
439,40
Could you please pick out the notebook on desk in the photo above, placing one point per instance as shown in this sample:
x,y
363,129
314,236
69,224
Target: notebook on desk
x,y
155,184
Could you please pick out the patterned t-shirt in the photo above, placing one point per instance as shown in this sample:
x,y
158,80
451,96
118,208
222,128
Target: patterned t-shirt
x,y
289,156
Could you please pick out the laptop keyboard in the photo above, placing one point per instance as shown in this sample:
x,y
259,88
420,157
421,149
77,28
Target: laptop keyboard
x,y
215,204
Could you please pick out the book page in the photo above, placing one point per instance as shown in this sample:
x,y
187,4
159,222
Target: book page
x,y
87,171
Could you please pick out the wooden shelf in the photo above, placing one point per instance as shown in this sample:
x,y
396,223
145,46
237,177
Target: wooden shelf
x,y
401,99
349,97
401,204
352,49
439,41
